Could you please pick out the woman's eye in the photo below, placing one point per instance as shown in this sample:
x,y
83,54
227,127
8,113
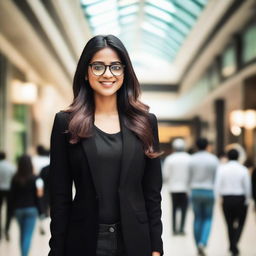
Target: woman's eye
x,y
98,67
116,67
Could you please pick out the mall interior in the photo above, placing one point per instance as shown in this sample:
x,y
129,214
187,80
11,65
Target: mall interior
x,y
195,61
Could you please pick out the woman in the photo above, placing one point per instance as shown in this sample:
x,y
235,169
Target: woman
x,y
26,190
106,143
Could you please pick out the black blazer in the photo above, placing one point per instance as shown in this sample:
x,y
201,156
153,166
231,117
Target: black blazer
x,y
74,221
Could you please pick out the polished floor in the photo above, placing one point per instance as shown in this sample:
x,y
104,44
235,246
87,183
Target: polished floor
x,y
173,245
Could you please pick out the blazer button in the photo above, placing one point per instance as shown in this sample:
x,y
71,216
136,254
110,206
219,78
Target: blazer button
x,y
111,229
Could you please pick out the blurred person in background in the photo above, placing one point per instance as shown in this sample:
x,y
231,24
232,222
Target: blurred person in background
x,y
7,171
202,172
26,191
44,175
41,159
234,185
254,187
106,143
45,201
176,171
222,158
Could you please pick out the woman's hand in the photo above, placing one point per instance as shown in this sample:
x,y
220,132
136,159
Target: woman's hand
x,y
156,254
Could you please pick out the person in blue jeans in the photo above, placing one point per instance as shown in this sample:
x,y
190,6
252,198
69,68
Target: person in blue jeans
x,y
202,203
26,191
202,172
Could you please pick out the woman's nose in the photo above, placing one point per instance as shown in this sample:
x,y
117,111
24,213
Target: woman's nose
x,y
107,72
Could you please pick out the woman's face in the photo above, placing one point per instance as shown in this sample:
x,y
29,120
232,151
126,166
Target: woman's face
x,y
105,84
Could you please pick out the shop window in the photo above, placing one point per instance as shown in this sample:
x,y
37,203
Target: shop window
x,y
20,129
249,45
2,99
213,77
228,61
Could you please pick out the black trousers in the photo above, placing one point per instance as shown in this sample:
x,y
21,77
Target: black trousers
x,y
110,240
235,211
179,202
5,196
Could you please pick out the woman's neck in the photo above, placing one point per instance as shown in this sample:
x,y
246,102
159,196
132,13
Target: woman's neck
x,y
105,105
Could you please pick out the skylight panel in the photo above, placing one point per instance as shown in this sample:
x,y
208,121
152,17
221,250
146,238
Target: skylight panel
x,y
163,4
128,10
156,22
104,18
158,43
164,26
152,29
88,2
100,7
158,13
203,2
180,26
128,19
161,48
122,3
153,51
107,25
174,34
191,7
108,29
185,16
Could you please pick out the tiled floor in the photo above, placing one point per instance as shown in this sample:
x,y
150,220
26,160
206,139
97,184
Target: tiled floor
x,y
173,246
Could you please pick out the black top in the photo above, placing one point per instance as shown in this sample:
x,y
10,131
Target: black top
x,y
24,195
109,153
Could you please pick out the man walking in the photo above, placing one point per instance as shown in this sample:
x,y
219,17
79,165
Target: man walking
x,y
176,171
234,185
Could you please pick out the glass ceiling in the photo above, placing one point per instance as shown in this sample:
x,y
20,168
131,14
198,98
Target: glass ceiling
x,y
156,27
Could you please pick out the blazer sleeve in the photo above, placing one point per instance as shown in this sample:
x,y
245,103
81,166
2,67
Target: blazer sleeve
x,y
60,186
152,185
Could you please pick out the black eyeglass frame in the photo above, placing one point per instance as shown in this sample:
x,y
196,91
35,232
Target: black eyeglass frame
x,y
105,66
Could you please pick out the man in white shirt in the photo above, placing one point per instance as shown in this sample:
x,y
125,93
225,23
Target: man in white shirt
x,y
40,160
175,170
7,171
234,185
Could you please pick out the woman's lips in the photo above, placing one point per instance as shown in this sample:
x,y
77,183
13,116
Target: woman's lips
x,y
107,84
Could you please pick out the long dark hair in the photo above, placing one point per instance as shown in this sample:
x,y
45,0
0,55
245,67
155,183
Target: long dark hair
x,y
133,111
25,169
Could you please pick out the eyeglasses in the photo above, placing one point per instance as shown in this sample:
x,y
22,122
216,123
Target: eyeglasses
x,y
99,69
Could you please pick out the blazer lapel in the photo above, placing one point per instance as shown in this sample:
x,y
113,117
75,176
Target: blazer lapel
x,y
129,140
90,150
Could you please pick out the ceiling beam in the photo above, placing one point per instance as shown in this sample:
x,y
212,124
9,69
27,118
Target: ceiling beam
x,y
54,35
27,51
73,22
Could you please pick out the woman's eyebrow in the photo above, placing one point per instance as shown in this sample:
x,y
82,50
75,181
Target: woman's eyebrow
x,y
113,62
